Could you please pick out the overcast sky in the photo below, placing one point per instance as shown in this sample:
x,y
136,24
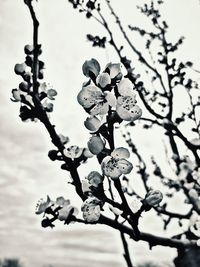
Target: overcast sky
x,y
26,174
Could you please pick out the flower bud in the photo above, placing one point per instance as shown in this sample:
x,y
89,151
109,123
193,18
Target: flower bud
x,y
94,178
16,95
95,145
24,86
91,68
92,123
53,155
153,198
29,61
28,49
20,68
27,76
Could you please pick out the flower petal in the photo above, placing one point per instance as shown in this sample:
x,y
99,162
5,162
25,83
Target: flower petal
x,y
60,201
103,80
111,99
89,96
127,110
42,205
91,66
125,166
16,95
85,186
121,152
100,109
63,139
64,213
87,153
125,87
114,69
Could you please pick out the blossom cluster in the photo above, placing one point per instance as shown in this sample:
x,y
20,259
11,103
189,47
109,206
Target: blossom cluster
x,y
107,92
25,92
60,209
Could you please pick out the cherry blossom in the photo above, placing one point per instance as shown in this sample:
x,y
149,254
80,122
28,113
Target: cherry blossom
x,y
94,100
42,205
91,209
116,164
73,152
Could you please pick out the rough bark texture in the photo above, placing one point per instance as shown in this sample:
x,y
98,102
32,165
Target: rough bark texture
x,y
188,258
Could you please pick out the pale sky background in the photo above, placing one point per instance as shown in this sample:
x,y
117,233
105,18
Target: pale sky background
x,y
26,173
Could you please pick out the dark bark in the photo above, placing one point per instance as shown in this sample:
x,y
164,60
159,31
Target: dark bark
x,y
188,257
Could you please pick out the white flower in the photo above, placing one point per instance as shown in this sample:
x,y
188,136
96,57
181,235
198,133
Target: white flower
x,y
66,211
126,103
61,201
115,165
91,209
127,108
42,205
73,152
92,98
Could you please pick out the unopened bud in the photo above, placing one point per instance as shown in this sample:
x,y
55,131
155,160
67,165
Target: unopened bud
x,y
28,49
95,145
24,86
20,68
153,198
